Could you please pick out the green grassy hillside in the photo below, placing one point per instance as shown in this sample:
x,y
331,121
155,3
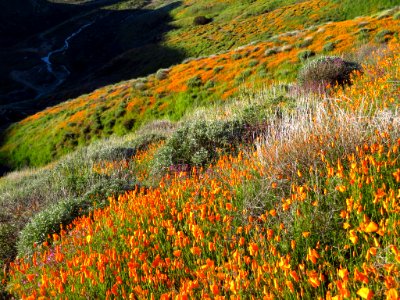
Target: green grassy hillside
x,y
170,93
295,191
261,161
138,38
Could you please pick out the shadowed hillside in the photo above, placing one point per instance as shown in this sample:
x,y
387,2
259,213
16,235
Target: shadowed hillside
x,y
75,50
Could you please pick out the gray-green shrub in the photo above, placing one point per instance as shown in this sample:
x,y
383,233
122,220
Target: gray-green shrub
x,y
194,82
324,70
383,36
306,54
328,47
197,143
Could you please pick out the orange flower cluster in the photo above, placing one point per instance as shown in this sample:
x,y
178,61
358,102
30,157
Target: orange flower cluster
x,y
192,237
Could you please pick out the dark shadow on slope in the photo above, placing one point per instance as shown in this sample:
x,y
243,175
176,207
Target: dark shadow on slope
x,y
111,45
117,45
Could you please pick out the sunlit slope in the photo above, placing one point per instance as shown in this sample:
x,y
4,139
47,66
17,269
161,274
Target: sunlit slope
x,y
310,210
170,93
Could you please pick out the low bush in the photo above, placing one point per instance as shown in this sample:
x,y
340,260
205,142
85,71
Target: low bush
x,y
328,47
326,70
162,74
242,76
198,142
305,43
201,20
127,152
194,82
218,69
306,54
8,238
50,220
383,36
253,63
271,51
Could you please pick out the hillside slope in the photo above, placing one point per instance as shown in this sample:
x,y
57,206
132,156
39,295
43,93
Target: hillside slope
x,y
138,37
170,93
305,208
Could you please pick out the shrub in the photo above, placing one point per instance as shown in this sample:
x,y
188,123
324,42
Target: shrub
x,y
363,34
305,43
157,127
271,51
262,71
142,142
253,63
129,123
218,69
196,143
237,56
396,16
306,54
328,47
48,222
242,76
8,237
201,20
141,86
210,84
162,74
194,82
383,36
285,48
325,70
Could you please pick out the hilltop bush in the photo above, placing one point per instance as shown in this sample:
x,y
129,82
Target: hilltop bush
x,y
162,74
326,70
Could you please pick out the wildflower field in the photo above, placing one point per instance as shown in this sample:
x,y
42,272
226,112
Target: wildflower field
x,y
308,209
278,47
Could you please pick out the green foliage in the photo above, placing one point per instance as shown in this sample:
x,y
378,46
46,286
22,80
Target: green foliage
x,y
326,70
162,74
396,16
194,82
8,238
305,54
237,56
363,35
271,51
142,142
48,222
201,20
328,47
242,76
198,143
253,63
218,69
383,36
304,43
